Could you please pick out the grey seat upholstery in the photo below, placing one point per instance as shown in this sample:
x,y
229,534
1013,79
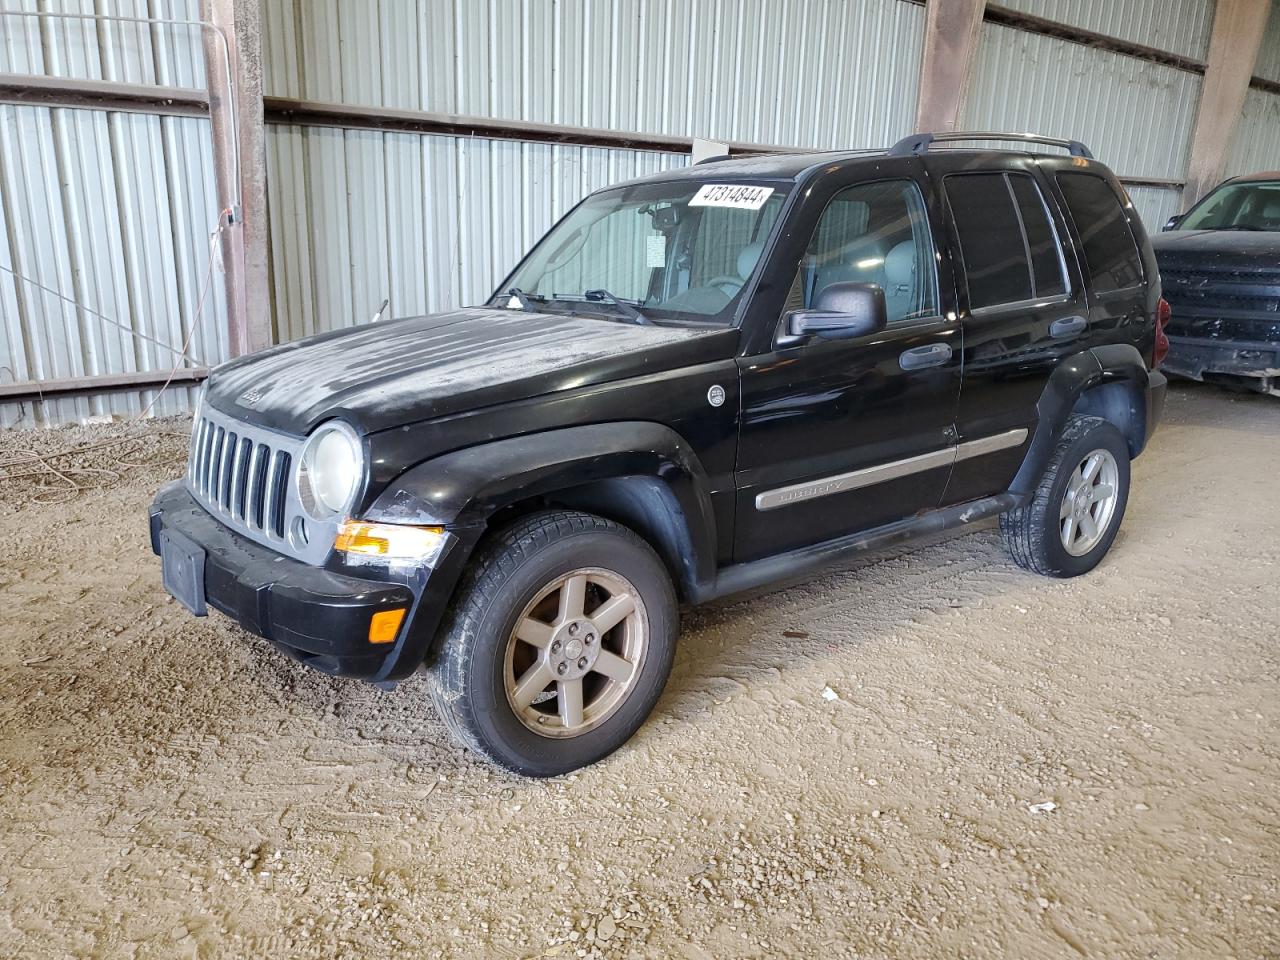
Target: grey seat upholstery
x,y
900,280
748,257
1269,214
860,263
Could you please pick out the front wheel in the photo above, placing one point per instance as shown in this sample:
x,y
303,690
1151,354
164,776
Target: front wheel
x,y
559,644
1075,513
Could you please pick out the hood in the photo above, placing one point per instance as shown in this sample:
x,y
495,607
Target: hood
x,y
1229,250
386,375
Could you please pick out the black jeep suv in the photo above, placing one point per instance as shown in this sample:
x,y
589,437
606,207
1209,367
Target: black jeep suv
x,y
1220,263
697,383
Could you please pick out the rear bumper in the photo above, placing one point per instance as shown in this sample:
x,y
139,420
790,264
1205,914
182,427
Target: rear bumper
x,y
1157,387
316,615
1193,357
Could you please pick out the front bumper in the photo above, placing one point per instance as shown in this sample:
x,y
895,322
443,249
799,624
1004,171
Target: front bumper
x,y
316,615
1193,357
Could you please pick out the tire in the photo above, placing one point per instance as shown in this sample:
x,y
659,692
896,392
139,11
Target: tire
x,y
483,667
1036,534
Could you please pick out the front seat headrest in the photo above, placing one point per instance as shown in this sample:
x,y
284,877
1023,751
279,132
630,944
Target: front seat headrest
x,y
748,257
900,265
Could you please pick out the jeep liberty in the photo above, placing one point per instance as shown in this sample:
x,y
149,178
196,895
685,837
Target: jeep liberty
x,y
697,383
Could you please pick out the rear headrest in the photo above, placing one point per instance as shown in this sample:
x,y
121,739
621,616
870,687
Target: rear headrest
x,y
748,256
1271,208
900,265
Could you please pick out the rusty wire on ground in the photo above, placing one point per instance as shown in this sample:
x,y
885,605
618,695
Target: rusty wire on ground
x,y
64,475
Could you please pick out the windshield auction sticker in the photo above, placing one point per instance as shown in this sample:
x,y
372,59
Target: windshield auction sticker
x,y
738,195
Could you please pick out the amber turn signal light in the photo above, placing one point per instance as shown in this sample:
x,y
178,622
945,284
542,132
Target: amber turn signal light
x,y
384,625
391,541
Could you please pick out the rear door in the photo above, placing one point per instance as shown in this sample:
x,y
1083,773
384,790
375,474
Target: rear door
x,y
1109,237
1021,306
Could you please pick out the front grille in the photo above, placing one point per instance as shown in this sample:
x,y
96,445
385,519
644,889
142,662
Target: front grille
x,y
1254,291
240,476
242,473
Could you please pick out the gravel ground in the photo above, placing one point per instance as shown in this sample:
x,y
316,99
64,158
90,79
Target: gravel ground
x,y
1005,766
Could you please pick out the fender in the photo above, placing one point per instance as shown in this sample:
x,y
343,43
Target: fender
x,y
463,489
1112,363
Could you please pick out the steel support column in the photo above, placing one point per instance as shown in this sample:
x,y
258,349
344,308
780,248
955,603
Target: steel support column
x,y
1238,26
235,110
951,29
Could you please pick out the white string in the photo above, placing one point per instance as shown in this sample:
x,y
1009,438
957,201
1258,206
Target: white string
x,y
195,321
115,323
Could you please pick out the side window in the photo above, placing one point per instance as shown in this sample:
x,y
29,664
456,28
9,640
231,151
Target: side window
x,y
1007,241
1110,252
1047,275
876,233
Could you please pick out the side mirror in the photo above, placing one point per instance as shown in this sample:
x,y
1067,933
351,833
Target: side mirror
x,y
1172,223
842,311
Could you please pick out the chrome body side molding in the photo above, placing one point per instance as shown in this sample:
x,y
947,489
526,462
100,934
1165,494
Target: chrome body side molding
x,y
868,476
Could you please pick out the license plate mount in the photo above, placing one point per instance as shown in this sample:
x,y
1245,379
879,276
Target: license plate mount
x,y
182,570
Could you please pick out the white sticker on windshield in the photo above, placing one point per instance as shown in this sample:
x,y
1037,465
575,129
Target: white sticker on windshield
x,y
738,195
655,250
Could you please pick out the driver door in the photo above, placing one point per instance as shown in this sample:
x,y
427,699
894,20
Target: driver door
x,y
839,436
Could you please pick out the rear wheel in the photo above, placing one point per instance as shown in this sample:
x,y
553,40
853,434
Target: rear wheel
x,y
558,645
1076,510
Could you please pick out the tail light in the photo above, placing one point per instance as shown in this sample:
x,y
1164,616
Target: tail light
x,y
1163,313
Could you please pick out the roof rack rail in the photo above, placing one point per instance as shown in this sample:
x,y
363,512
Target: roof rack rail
x,y
919,142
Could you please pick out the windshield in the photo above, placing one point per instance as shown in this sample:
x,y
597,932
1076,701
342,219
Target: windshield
x,y
1238,206
679,250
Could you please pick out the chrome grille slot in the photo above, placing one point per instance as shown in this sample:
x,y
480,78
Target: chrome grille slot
x,y
243,475
279,484
256,484
240,477
224,471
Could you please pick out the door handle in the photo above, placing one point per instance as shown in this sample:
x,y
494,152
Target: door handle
x,y
1067,326
928,356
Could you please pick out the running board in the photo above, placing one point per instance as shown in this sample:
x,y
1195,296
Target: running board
x,y
805,560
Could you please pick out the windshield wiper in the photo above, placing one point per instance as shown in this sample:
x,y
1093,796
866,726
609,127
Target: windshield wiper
x,y
525,299
1240,226
627,309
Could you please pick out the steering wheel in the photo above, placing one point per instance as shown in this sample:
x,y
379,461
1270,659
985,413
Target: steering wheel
x,y
734,283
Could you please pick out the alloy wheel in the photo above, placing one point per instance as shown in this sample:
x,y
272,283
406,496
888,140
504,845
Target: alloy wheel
x,y
1089,502
576,652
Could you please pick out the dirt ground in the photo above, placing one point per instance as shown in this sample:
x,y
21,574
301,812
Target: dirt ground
x,y
171,787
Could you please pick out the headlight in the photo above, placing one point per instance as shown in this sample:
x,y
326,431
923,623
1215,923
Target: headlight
x,y
329,470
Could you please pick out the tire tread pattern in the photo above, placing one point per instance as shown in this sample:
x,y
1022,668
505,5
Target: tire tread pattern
x,y
1026,528
481,586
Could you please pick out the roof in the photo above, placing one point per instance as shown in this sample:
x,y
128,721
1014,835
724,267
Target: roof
x,y
770,166
795,166
1260,175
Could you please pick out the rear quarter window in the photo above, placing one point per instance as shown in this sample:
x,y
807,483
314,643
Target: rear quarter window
x,y
1111,254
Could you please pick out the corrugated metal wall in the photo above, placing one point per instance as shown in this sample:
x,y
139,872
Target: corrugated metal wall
x,y
1257,142
112,210
842,73
1268,65
1175,26
1137,116
433,222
